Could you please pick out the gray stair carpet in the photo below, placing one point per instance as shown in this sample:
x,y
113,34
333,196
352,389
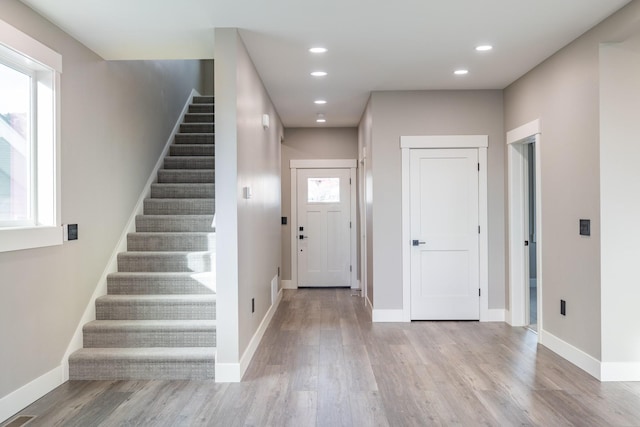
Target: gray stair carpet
x,y
157,320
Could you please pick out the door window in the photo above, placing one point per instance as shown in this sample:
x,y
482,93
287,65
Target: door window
x,y
323,190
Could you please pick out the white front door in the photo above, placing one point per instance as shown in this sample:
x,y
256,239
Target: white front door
x,y
324,213
445,277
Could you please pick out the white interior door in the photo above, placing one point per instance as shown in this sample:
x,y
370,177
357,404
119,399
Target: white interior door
x,y
445,276
324,214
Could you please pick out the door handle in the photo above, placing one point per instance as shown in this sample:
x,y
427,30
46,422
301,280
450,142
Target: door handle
x,y
301,237
418,243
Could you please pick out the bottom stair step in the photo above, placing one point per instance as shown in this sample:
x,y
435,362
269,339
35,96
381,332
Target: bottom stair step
x,y
159,363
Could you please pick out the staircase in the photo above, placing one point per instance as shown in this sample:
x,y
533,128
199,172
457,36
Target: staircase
x,y
157,320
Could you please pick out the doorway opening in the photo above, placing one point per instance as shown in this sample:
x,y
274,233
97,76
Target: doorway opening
x,y
525,277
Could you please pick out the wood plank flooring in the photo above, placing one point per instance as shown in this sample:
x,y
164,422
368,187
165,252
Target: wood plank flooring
x,y
323,363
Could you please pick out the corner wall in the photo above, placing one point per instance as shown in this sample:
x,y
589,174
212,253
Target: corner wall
x,y
116,117
247,230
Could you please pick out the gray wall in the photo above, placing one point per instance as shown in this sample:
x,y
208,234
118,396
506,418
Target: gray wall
x,y
116,119
248,230
395,114
563,92
310,143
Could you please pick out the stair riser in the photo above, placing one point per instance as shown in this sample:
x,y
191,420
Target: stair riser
x,y
133,311
194,138
138,339
156,287
179,206
182,162
183,191
199,118
203,100
192,150
197,128
169,223
192,176
141,370
170,242
202,108
194,262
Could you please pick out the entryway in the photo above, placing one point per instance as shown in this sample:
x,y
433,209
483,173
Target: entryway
x,y
323,216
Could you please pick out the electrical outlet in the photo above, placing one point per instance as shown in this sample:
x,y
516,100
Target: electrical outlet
x,y
563,307
253,305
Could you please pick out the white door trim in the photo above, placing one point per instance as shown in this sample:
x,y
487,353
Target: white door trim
x,y
516,138
407,143
294,165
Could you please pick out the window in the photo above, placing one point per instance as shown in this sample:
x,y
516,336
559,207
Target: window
x,y
29,143
323,190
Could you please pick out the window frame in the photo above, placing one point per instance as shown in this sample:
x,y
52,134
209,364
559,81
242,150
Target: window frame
x,y
35,56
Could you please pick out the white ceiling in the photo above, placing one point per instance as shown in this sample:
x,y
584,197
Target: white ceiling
x,y
373,44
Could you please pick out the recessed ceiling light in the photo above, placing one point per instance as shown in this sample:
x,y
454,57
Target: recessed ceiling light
x,y
321,120
461,72
319,73
318,50
320,101
484,48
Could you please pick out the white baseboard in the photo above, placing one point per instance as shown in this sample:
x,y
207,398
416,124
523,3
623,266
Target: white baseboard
x,y
381,316
507,317
356,286
233,372
29,393
288,284
495,315
112,265
620,371
582,360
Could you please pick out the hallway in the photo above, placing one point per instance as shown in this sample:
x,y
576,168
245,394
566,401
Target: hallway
x,y
323,363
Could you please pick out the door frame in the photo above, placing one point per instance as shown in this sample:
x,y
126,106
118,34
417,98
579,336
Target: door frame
x,y
350,164
408,143
518,283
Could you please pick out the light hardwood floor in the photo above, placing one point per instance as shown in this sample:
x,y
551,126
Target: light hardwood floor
x,y
323,363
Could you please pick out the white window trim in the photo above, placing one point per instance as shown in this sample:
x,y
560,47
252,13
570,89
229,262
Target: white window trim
x,y
18,238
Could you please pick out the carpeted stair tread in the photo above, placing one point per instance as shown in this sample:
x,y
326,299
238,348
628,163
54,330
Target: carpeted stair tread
x,y
160,283
171,241
197,128
192,150
199,118
181,190
197,262
203,99
149,333
189,162
186,176
143,363
202,108
175,223
151,325
179,206
194,138
156,307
